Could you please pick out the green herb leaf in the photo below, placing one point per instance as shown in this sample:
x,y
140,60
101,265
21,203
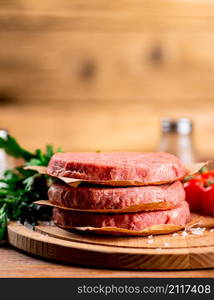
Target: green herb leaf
x,y
204,169
20,188
10,145
3,221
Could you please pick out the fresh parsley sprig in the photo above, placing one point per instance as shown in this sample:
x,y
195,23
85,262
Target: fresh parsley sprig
x,y
19,188
11,147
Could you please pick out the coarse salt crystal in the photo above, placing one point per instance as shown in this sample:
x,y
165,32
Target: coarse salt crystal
x,y
197,230
166,244
175,234
51,223
150,236
184,233
150,241
28,225
212,230
44,223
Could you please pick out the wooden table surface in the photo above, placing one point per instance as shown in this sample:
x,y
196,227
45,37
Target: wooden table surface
x,y
15,263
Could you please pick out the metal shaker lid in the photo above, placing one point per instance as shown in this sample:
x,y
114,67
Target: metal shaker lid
x,y
181,126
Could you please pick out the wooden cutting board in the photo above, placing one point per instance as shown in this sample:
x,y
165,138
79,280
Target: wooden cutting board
x,y
162,252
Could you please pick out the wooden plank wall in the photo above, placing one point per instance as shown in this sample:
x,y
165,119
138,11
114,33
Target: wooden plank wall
x,y
90,75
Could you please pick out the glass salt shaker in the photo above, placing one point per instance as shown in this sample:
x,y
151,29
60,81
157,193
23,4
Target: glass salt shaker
x,y
177,138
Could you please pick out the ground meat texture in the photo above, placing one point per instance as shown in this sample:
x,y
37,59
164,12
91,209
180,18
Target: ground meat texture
x,y
117,166
91,197
132,221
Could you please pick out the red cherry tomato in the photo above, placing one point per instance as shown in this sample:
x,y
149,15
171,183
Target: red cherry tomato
x,y
208,200
208,175
200,192
194,190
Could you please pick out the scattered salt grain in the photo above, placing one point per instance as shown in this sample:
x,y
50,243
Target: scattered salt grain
x,y
18,223
197,230
28,225
45,223
150,241
212,230
52,223
175,234
150,236
184,233
166,244
158,249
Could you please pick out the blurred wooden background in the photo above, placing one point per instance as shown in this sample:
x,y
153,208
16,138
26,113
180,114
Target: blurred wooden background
x,y
90,75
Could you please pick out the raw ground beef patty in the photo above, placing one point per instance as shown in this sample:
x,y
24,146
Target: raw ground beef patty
x,y
91,197
132,221
145,167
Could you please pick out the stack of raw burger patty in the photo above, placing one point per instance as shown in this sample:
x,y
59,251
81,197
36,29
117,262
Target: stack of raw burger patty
x,y
127,190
